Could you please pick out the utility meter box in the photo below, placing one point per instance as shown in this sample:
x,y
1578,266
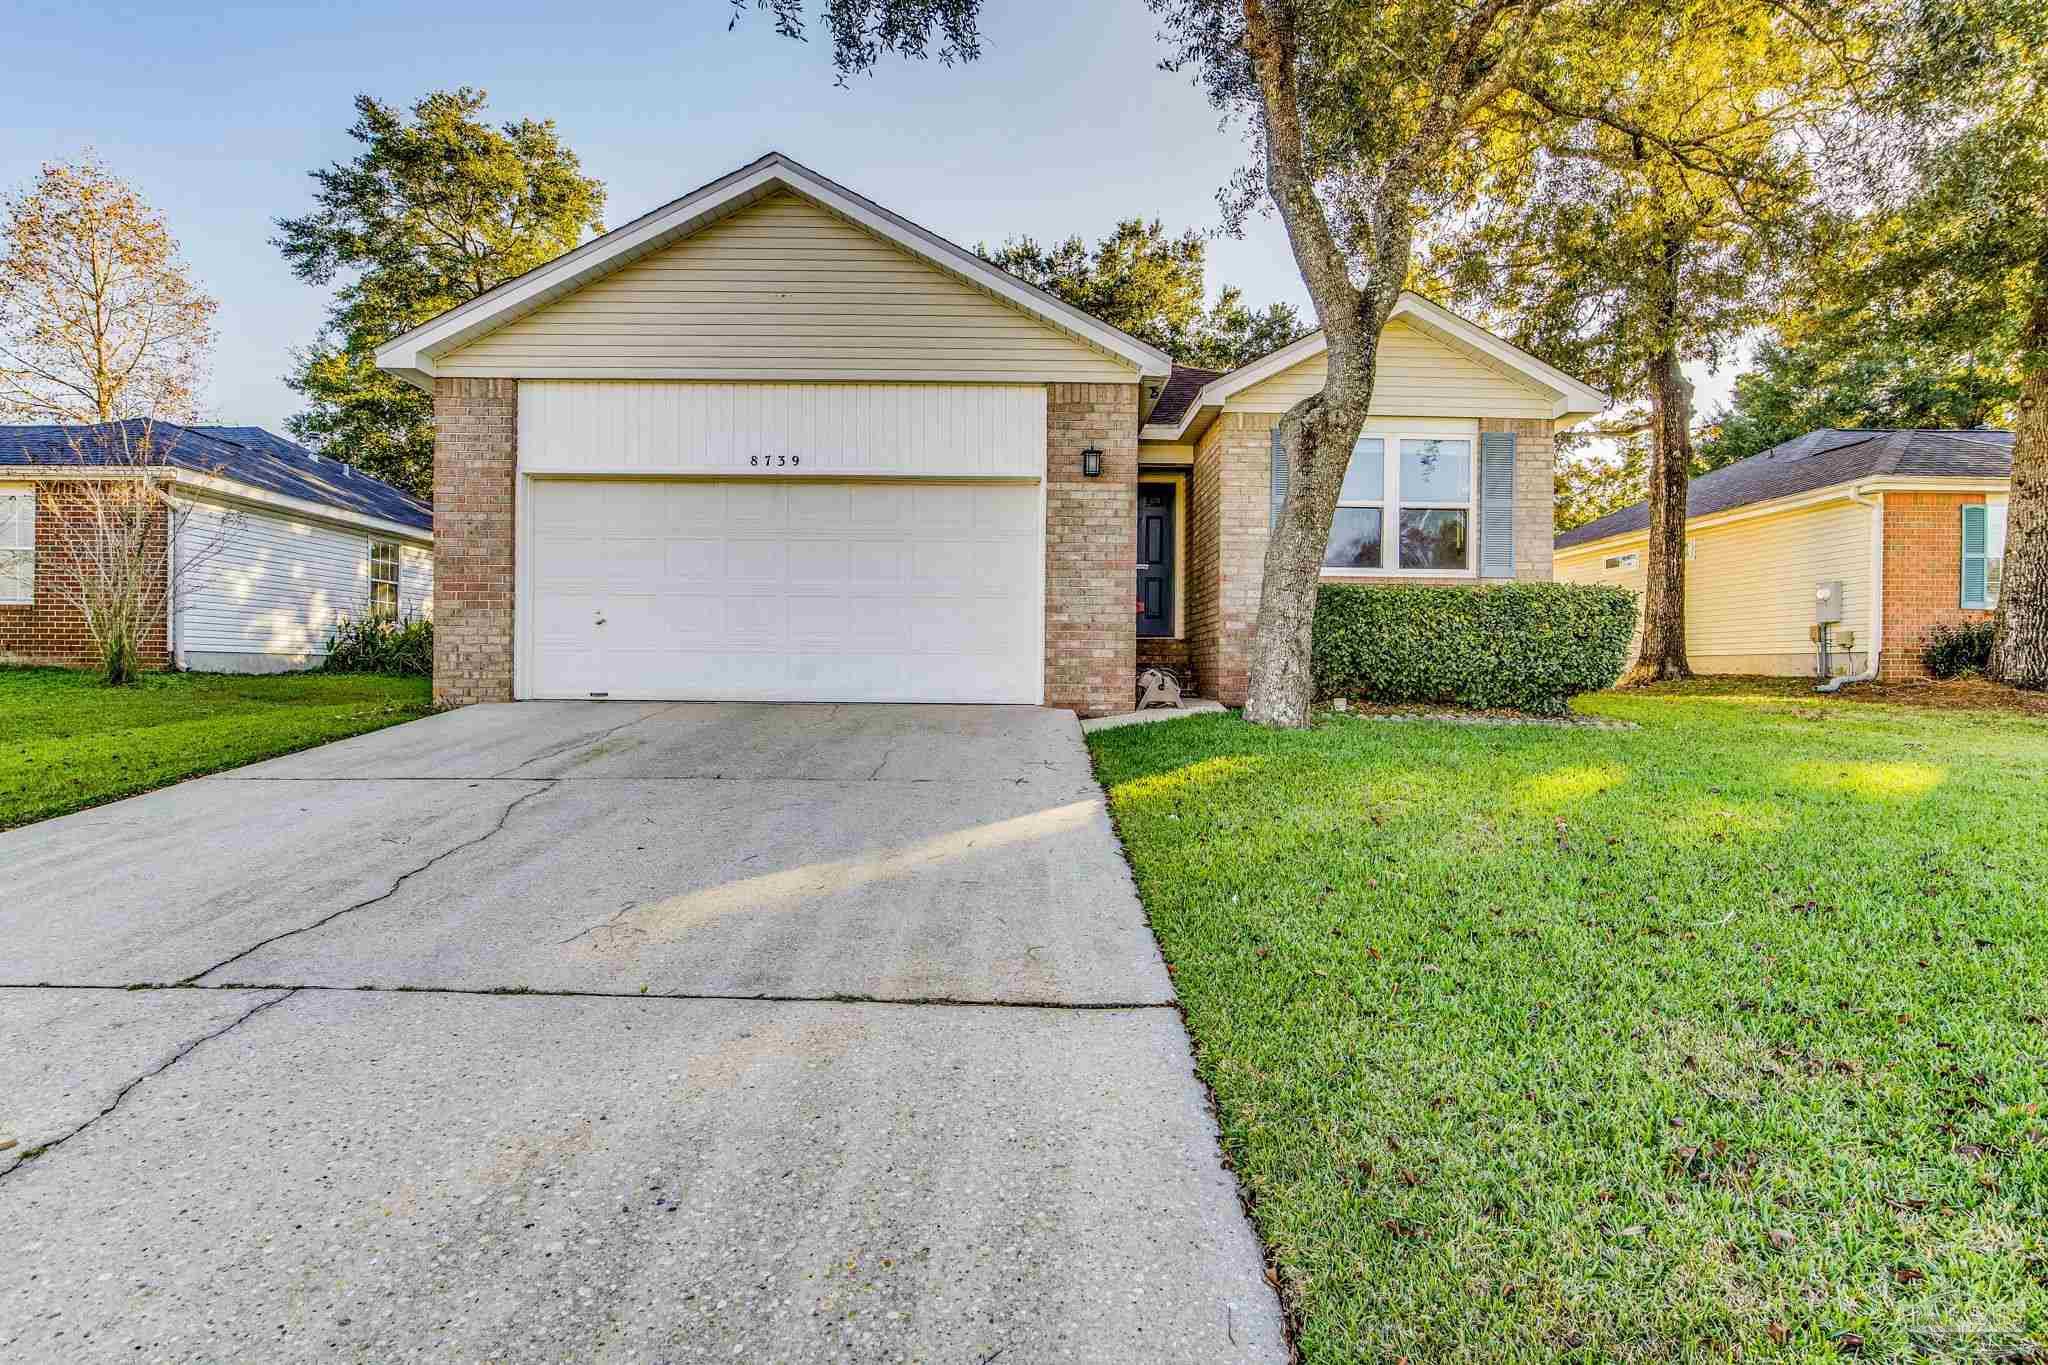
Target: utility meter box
x,y
1827,602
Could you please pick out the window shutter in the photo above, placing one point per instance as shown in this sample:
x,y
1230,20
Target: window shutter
x,y
1497,504
1279,482
1976,554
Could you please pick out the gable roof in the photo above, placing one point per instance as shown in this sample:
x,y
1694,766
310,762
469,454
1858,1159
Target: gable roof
x,y
1572,397
249,456
1817,460
412,355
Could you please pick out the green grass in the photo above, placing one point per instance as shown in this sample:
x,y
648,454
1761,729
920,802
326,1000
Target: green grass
x,y
68,742
1728,1032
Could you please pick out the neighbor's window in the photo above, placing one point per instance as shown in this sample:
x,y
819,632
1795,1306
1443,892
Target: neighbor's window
x,y
1627,561
1425,496
18,546
383,578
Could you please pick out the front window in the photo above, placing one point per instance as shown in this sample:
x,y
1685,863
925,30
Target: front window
x,y
1425,494
383,579
18,546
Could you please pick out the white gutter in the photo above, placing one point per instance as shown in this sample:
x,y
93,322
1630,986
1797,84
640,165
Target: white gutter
x,y
1876,506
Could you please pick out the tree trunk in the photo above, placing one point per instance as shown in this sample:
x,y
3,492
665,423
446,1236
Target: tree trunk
x,y
1663,653
1316,437
2019,645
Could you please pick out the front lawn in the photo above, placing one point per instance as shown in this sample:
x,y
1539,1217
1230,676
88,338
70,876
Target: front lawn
x,y
1722,1038
67,742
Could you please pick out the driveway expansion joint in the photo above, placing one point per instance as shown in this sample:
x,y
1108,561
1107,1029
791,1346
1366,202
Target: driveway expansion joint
x,y
551,993
284,993
545,784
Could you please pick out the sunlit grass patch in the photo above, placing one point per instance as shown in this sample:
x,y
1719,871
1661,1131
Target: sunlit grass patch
x,y
1620,1044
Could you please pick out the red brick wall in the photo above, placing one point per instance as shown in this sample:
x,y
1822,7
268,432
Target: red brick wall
x,y
1923,571
476,441
50,630
1091,548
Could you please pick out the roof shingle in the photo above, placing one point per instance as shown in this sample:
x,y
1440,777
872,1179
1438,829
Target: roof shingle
x,y
1181,387
1821,459
245,455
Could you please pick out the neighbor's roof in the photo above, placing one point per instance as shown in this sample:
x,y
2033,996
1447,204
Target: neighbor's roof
x,y
1822,459
1179,390
412,356
244,455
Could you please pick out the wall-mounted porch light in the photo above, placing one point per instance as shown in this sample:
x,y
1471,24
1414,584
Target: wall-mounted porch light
x,y
1091,463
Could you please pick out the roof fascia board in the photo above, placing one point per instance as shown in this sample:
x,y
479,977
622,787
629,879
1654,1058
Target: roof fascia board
x,y
412,355
231,489
1799,501
1794,502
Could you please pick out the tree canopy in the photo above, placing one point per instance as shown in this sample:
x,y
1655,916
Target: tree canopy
x,y
99,318
437,208
1150,285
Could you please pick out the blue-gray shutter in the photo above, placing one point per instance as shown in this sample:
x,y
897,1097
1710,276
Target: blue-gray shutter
x,y
1976,557
1497,504
1279,482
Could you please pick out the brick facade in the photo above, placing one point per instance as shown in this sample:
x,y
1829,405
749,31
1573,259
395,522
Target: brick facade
x,y
1229,528
1923,556
1091,548
476,442
50,630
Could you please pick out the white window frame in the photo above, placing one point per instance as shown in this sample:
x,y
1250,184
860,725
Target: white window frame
x,y
25,540
1390,505
1626,560
396,580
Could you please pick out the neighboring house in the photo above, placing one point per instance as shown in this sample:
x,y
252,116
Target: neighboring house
x,y
1910,524
771,441
278,544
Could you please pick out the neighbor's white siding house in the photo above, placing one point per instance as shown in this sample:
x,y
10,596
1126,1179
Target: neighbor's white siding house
x,y
260,590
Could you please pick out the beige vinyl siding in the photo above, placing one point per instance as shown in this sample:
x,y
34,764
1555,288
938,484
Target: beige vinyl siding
x,y
1417,376
1749,586
783,289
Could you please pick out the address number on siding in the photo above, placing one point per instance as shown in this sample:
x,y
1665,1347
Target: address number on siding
x,y
774,461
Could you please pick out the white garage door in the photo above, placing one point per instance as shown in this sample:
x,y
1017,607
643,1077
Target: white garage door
x,y
783,591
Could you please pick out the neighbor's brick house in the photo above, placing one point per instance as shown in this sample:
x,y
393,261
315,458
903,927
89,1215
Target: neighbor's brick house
x,y
774,442
271,546
1910,524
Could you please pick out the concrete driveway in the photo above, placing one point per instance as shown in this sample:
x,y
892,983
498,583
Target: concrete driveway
x,y
611,1031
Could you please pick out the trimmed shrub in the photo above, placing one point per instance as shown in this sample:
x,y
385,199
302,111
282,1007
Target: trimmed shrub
x,y
381,644
1519,646
1952,651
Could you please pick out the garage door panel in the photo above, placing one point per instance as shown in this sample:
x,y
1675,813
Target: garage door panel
x,y
784,591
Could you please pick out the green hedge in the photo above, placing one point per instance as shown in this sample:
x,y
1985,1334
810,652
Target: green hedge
x,y
1524,646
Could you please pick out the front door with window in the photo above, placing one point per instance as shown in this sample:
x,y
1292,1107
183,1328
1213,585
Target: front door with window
x,y
1155,558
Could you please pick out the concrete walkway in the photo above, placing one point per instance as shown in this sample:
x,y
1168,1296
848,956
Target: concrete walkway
x,y
611,1031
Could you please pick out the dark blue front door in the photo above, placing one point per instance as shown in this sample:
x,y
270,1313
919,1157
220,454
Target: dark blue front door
x,y
1155,558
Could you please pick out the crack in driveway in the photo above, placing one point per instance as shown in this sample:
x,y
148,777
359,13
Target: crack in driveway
x,y
284,993
571,993
545,784
571,746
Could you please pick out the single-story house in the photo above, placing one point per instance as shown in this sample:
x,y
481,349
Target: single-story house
x,y
273,544
772,441
1904,530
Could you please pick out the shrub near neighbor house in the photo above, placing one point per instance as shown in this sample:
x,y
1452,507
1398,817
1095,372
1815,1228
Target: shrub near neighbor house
x,y
1525,646
382,644
1952,651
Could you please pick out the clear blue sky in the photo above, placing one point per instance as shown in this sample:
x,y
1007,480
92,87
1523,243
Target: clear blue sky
x,y
217,113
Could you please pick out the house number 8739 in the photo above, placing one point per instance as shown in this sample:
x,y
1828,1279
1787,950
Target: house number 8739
x,y
774,461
